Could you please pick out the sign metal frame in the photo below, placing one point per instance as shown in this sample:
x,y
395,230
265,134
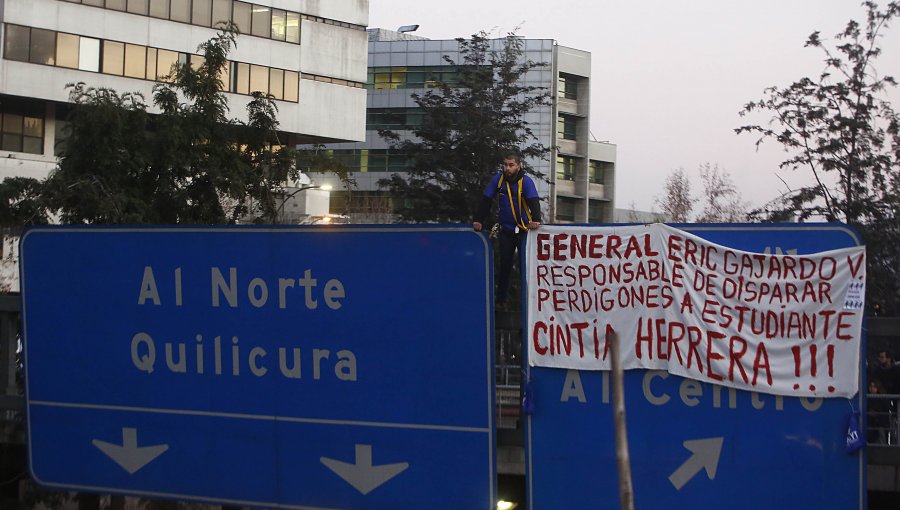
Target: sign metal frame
x,y
693,443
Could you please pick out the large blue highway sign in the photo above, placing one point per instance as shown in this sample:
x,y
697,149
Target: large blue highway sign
x,y
294,368
692,444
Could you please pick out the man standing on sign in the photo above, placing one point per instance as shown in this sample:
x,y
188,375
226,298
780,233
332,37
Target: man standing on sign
x,y
520,211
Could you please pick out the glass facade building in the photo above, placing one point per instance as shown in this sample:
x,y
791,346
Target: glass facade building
x,y
580,172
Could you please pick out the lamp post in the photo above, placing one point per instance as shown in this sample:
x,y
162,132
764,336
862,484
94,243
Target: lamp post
x,y
279,212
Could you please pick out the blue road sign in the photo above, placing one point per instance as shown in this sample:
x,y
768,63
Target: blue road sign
x,y
692,444
294,368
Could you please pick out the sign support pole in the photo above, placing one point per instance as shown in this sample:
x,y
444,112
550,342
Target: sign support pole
x,y
623,461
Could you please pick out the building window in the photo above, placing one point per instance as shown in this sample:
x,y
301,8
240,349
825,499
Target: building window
x,y
17,42
89,54
372,160
259,79
565,208
276,83
261,21
22,130
196,61
565,168
566,127
568,87
389,78
180,11
113,58
241,16
279,24
595,211
165,64
251,19
43,47
596,172
67,50
240,77
159,9
221,12
292,86
292,28
419,77
137,7
393,118
201,13
135,61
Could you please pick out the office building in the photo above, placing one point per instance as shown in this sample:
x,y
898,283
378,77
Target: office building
x,y
310,55
580,171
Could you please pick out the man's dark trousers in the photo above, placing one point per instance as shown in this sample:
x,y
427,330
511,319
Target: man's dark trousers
x,y
510,242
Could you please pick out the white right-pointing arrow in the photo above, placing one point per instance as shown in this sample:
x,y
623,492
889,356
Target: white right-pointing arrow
x,y
706,453
362,475
129,455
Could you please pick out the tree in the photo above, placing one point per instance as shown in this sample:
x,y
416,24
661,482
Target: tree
x,y
837,124
21,203
840,128
466,128
722,200
190,163
676,202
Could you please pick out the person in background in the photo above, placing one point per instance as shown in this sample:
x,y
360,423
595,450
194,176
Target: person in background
x,y
879,414
520,211
887,372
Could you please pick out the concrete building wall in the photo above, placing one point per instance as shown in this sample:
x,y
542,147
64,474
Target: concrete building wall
x,y
328,65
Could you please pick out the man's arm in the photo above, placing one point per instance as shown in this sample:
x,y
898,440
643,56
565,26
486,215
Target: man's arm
x,y
533,201
534,207
484,208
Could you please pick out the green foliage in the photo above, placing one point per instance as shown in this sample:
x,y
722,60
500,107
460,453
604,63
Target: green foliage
x,y
466,129
840,128
21,203
190,163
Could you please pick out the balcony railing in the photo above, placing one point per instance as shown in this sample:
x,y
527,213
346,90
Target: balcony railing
x,y
882,423
509,395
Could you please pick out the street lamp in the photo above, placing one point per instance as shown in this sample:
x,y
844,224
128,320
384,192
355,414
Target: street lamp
x,y
279,213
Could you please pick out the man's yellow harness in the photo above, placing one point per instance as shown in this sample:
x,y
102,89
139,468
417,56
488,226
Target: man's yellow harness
x,y
522,205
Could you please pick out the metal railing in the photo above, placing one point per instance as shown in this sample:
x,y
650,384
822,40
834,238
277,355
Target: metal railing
x,y
508,372
882,421
508,380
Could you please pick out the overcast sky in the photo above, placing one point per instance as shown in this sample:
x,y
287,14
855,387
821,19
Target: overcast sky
x,y
668,78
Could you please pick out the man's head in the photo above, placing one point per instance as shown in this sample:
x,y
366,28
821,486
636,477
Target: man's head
x,y
885,359
512,163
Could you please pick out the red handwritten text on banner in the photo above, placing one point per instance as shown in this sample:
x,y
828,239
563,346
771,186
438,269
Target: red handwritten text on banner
x,y
782,324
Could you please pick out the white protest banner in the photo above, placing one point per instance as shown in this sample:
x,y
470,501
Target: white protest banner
x,y
780,324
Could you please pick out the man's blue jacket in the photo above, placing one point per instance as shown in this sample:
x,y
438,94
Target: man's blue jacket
x,y
519,201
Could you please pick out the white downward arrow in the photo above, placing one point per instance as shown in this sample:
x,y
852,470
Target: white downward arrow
x,y
129,455
706,453
362,475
